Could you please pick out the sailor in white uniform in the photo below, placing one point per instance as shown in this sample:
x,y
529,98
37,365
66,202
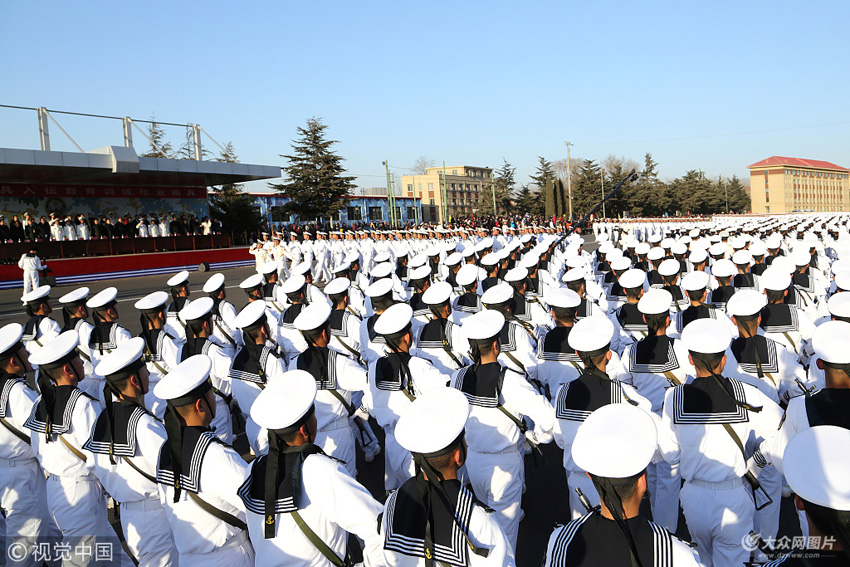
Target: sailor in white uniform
x,y
496,431
180,291
557,362
162,351
518,341
302,504
712,427
337,377
40,329
468,301
223,313
433,519
395,380
615,445
198,475
291,340
22,485
75,315
197,317
122,451
106,336
31,264
440,340
373,345
60,423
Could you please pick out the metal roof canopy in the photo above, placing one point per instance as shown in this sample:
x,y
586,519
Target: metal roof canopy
x,y
119,165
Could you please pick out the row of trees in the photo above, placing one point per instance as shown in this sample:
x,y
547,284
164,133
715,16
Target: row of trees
x,y
548,192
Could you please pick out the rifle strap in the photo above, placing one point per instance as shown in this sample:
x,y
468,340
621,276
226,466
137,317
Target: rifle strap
x,y
349,407
138,470
790,340
672,378
223,332
317,542
220,514
73,449
16,432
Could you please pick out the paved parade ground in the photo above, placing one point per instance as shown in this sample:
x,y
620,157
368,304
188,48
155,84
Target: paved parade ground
x,y
546,502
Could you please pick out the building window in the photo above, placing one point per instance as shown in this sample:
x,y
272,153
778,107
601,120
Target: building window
x,y
430,187
431,202
355,214
454,172
411,213
397,213
420,187
375,213
410,187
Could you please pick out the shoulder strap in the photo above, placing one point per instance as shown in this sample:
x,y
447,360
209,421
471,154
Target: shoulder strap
x,y
790,340
220,514
348,347
223,332
73,449
138,470
349,407
16,432
317,542
672,378
749,477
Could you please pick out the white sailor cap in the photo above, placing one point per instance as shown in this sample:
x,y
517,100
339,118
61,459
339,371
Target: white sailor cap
x,y
337,286
742,257
632,278
530,261
468,251
483,325
706,336
379,288
420,273
621,264
252,282
775,279
286,403
592,335
432,251
576,262
695,281
498,294
745,303
197,309
717,249
433,423
453,259
382,257
57,352
269,268
839,305
758,248
694,232
561,298
312,317
698,256
680,248
417,260
252,315
103,299
491,259
655,254
185,383
801,257
152,302
37,295
617,441
301,268
723,269
437,294
76,296
655,302
516,275
830,341
573,275
669,267
642,249
382,270
178,279
841,276
293,284
10,336
816,462
467,274
394,320
122,361
214,283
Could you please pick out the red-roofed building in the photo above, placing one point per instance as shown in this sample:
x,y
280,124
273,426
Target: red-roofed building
x,y
786,185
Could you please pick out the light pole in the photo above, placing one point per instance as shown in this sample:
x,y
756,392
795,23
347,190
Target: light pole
x,y
569,181
602,182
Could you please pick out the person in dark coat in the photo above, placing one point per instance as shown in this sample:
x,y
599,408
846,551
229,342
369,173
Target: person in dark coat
x,y
16,230
4,231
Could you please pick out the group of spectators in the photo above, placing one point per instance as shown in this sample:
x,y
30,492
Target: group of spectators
x,y
92,227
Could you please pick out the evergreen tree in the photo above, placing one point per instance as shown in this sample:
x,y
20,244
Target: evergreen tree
x,y
739,198
316,183
587,189
544,173
159,148
503,180
237,211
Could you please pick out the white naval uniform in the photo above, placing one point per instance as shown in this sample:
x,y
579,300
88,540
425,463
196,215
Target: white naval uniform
x,y
215,475
224,327
390,402
246,384
495,461
482,528
22,485
222,423
557,363
518,350
569,419
84,329
30,265
159,361
717,503
429,345
93,385
39,335
75,497
332,504
143,520
343,376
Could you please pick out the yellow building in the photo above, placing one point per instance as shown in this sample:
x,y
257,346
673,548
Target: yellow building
x,y
462,185
788,185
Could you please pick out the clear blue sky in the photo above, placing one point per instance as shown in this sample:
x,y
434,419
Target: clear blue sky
x,y
711,85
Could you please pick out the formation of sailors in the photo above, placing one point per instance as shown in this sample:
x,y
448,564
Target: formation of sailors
x,y
704,368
